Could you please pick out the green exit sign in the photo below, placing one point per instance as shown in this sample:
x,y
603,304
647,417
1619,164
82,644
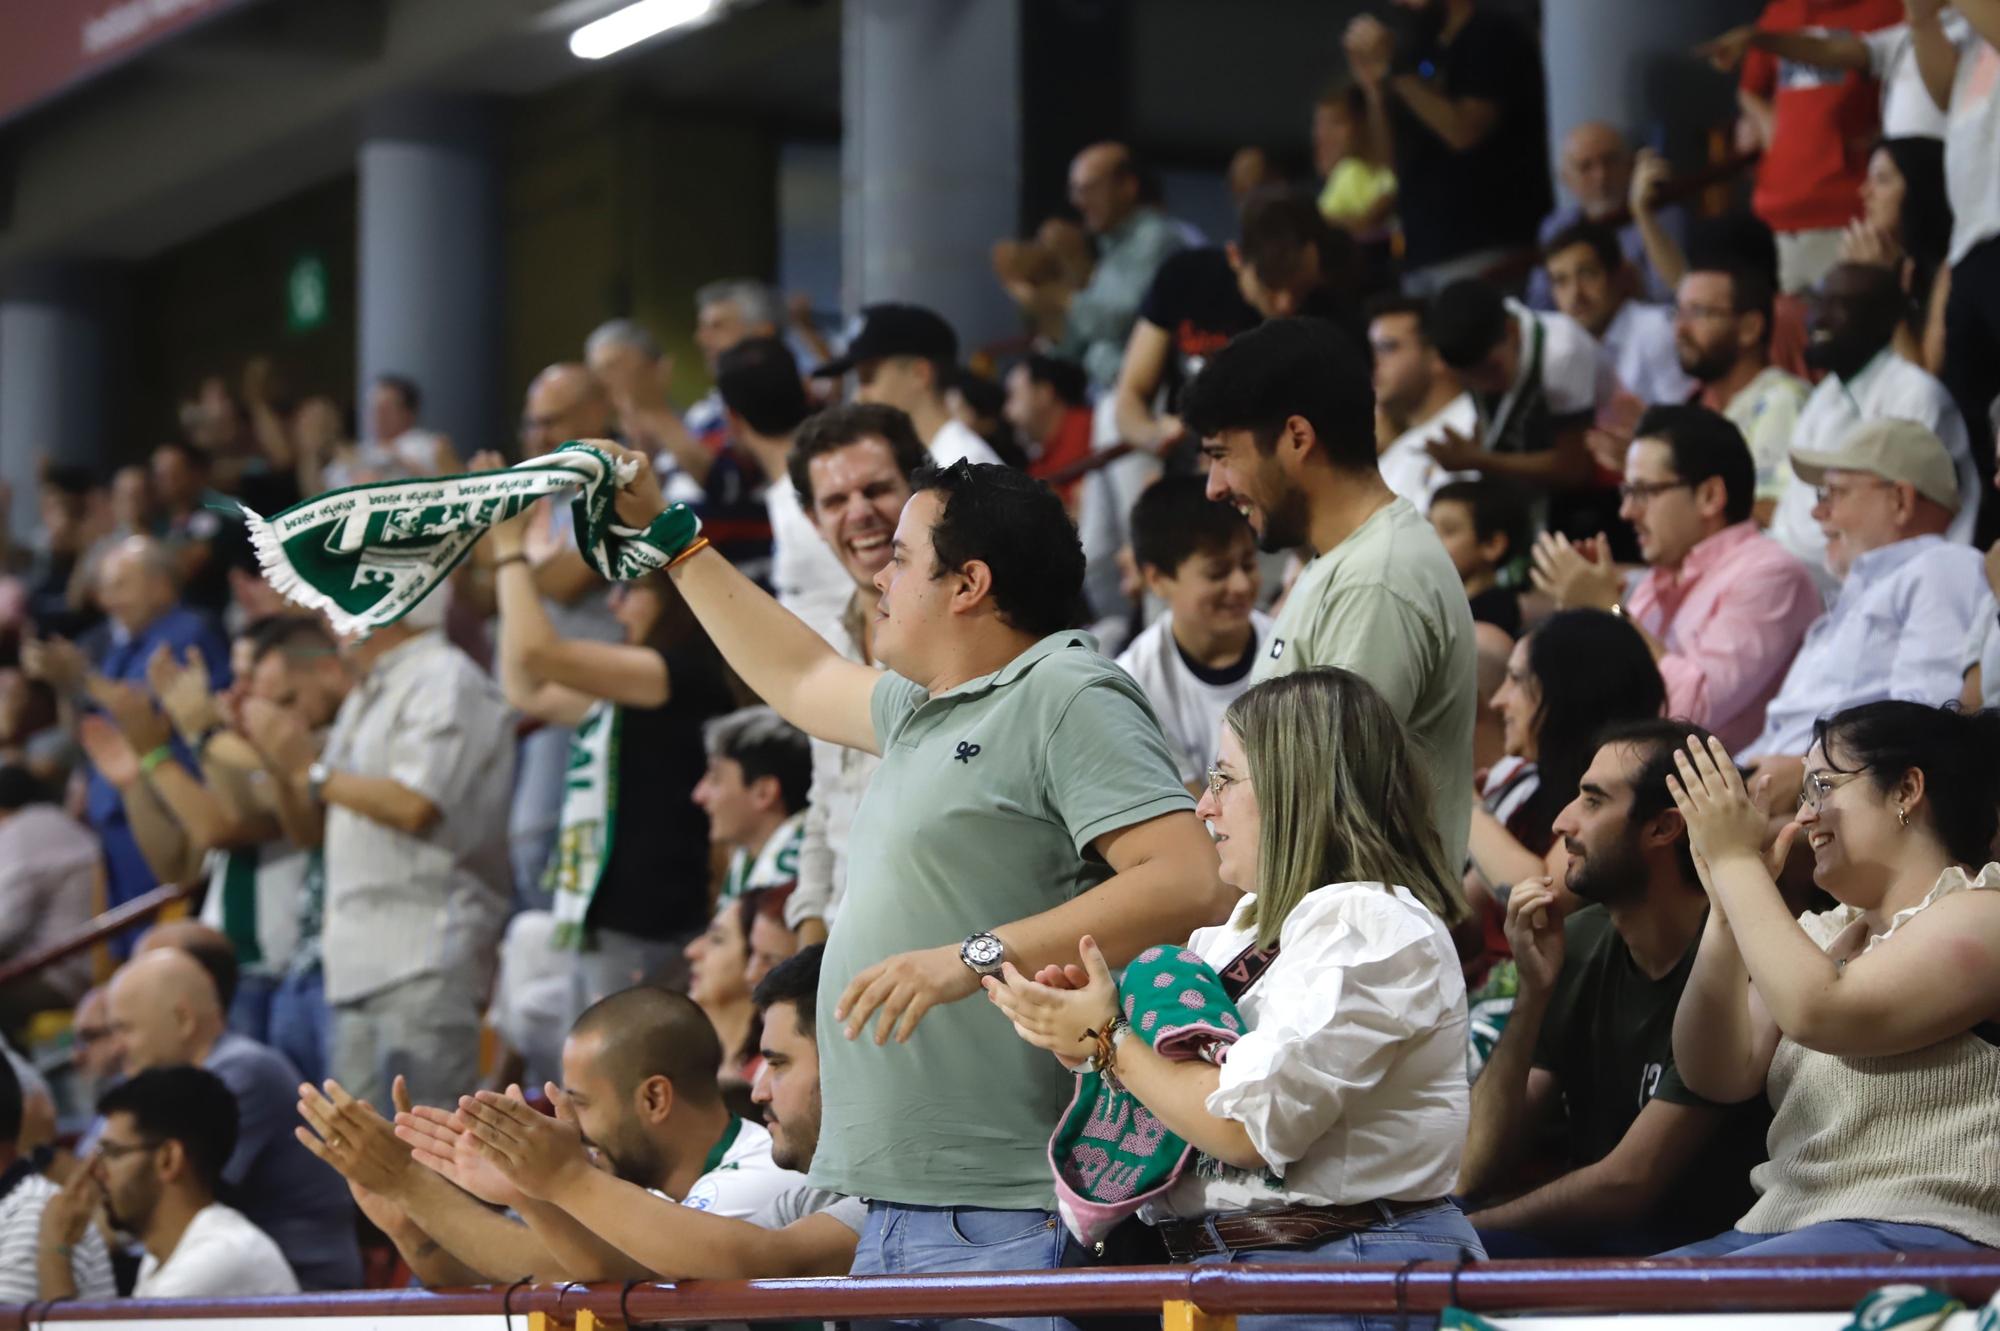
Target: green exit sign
x,y
306,294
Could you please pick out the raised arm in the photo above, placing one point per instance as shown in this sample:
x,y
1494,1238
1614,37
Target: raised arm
x,y
546,675
1939,977
782,660
1512,1095
1139,376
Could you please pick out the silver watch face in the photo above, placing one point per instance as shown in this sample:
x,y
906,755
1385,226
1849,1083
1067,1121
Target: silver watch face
x,y
983,952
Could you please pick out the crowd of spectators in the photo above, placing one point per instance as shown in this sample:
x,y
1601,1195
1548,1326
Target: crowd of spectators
x,y
1515,673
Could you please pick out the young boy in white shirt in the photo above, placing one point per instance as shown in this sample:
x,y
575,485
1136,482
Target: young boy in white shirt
x,y
1200,558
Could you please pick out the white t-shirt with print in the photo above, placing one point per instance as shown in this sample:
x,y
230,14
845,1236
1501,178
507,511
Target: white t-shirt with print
x,y
221,1254
1189,707
747,1181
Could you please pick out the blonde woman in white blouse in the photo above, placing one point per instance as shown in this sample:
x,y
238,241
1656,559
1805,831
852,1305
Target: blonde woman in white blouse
x,y
1874,1028
1332,1131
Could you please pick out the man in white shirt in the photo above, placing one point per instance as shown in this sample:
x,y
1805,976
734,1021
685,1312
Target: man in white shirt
x,y
1908,596
167,1134
1722,336
1854,322
1200,558
639,1089
1417,399
850,470
1594,284
413,790
800,1232
766,404
1539,382
902,356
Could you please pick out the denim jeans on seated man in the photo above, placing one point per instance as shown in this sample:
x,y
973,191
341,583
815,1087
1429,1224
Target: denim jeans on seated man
x,y
301,1024
1832,1238
963,1240
1435,1234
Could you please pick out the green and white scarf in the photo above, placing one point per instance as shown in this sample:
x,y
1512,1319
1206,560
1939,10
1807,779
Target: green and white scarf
x,y
589,811
367,554
776,864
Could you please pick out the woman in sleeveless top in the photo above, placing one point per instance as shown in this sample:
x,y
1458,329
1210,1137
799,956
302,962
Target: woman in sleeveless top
x,y
1331,1130
1874,1028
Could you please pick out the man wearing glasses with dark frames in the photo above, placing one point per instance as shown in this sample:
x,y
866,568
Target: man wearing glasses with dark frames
x,y
1723,606
167,1133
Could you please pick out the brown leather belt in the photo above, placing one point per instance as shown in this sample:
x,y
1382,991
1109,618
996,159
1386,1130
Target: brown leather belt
x,y
1288,1227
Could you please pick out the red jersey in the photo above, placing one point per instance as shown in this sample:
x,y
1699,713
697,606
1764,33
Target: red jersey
x,y
1823,120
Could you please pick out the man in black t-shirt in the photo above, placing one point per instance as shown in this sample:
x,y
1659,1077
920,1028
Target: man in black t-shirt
x,y
1461,100
1285,261
1586,1059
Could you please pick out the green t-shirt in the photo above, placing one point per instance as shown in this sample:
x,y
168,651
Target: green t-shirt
x,y
982,812
1387,604
1609,1039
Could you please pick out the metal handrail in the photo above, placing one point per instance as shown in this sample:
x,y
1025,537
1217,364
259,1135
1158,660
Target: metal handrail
x,y
1664,1285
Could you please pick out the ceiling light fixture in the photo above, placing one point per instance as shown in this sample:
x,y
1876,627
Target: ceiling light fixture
x,y
635,23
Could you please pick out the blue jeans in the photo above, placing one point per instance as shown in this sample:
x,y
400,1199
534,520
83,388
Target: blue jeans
x,y
1435,1234
910,1240
250,1010
1831,1238
302,1024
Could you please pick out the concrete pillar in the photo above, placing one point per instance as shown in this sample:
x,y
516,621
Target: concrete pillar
x,y
60,339
931,155
1628,64
429,271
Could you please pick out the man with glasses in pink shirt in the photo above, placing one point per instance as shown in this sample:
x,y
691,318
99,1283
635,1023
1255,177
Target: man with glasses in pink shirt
x,y
1723,606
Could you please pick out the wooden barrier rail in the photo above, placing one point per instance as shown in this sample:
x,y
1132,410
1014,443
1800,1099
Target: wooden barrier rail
x,y
111,923
1199,1295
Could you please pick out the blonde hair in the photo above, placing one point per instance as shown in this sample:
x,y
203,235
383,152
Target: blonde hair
x,y
1342,794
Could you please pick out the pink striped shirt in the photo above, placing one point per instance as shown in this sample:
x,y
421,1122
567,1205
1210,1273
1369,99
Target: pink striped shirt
x,y
1732,616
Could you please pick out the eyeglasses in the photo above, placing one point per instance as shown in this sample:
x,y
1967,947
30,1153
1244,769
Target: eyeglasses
x,y
1692,311
119,1150
1219,780
1645,492
1819,784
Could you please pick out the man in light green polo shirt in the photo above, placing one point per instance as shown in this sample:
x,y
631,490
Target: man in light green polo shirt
x,y
1026,798
1286,416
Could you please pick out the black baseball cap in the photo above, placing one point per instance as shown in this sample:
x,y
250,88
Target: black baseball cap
x,y
894,330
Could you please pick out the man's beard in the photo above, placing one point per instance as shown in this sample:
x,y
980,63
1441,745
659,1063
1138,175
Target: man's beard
x,y
637,1161
1708,364
794,1150
1287,524
1843,354
1611,877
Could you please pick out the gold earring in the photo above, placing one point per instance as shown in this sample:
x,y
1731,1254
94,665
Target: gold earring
x,y
1902,815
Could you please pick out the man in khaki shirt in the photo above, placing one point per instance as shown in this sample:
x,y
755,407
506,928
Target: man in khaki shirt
x,y
1286,416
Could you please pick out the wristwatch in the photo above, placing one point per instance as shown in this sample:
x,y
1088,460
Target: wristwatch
x,y
983,954
316,776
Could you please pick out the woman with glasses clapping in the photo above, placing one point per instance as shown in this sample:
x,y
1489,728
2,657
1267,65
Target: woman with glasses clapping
x,y
1874,1028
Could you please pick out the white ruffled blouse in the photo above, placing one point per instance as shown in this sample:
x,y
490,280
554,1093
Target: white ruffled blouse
x,y
1351,1080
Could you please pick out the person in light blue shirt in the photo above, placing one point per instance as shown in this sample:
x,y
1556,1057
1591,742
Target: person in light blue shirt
x,y
1907,600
